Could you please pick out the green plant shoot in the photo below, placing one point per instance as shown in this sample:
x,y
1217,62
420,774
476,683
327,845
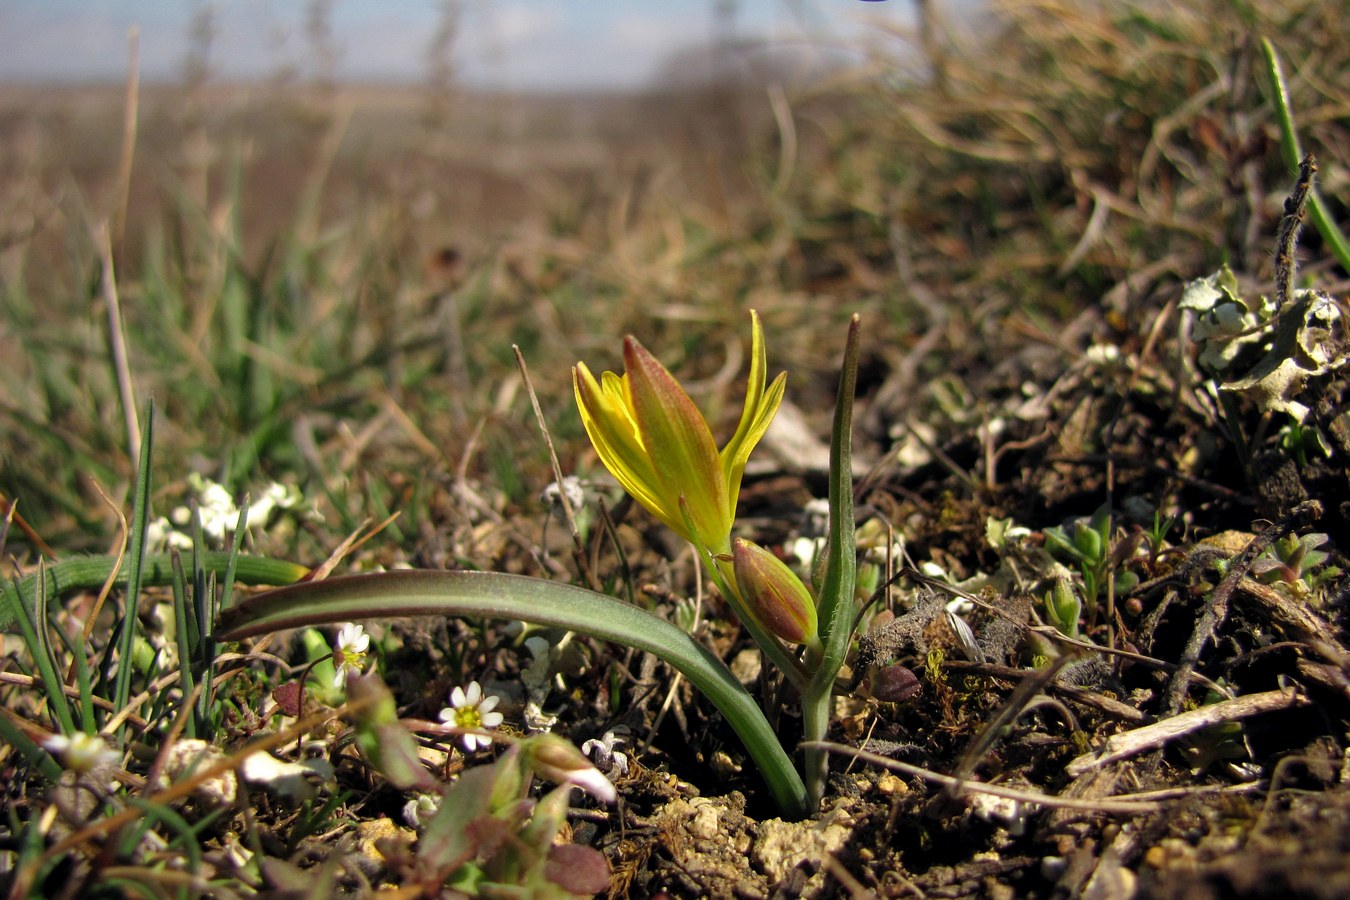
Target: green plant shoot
x,y
656,442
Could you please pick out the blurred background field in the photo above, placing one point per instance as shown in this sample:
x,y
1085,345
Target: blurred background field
x,y
319,281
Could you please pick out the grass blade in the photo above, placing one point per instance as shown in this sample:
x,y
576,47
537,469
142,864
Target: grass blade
x,y
182,610
38,640
90,573
135,561
1293,156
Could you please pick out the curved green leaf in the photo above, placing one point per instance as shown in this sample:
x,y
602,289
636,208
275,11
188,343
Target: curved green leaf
x,y
500,596
87,573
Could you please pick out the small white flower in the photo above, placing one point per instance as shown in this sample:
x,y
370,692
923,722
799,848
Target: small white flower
x,y
215,507
571,488
81,753
557,760
274,497
470,708
349,656
160,535
607,758
419,810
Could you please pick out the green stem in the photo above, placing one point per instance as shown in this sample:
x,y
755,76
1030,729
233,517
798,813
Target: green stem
x,y
836,605
767,643
499,596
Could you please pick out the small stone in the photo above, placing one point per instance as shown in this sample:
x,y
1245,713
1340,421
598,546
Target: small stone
x,y
375,833
704,824
782,846
892,785
746,666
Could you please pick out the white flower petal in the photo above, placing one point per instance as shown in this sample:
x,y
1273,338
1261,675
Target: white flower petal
x,y
593,782
457,698
57,743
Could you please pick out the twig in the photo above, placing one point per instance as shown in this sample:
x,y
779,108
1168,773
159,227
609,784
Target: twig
x,y
1029,685
845,878
1295,205
1049,632
1121,804
117,343
1294,616
1072,692
1120,746
568,513
1216,605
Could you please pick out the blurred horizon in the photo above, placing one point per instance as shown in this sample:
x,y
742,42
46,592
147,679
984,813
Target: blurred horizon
x,y
507,45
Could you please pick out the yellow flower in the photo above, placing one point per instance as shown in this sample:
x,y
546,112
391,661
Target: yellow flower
x,y
775,594
654,440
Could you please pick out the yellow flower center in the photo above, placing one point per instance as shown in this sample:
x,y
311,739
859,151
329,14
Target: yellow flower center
x,y
354,658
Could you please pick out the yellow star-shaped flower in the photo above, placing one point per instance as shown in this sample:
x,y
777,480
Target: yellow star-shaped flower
x,y
654,440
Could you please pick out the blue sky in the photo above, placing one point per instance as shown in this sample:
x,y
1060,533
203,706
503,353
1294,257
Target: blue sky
x,y
523,44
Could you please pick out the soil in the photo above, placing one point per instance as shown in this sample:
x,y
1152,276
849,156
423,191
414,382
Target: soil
x,y
1253,802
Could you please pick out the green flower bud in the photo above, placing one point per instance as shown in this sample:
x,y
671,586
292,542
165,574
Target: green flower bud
x,y
1064,607
774,593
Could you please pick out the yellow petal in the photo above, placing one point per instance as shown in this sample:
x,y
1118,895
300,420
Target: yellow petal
x,y
680,445
761,406
612,428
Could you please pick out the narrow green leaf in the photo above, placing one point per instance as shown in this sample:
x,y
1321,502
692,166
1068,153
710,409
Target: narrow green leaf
x,y
514,597
1293,156
91,572
37,638
836,594
836,605
182,612
140,518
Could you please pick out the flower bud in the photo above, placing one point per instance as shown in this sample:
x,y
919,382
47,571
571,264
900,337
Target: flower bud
x,y
557,760
774,593
1063,607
